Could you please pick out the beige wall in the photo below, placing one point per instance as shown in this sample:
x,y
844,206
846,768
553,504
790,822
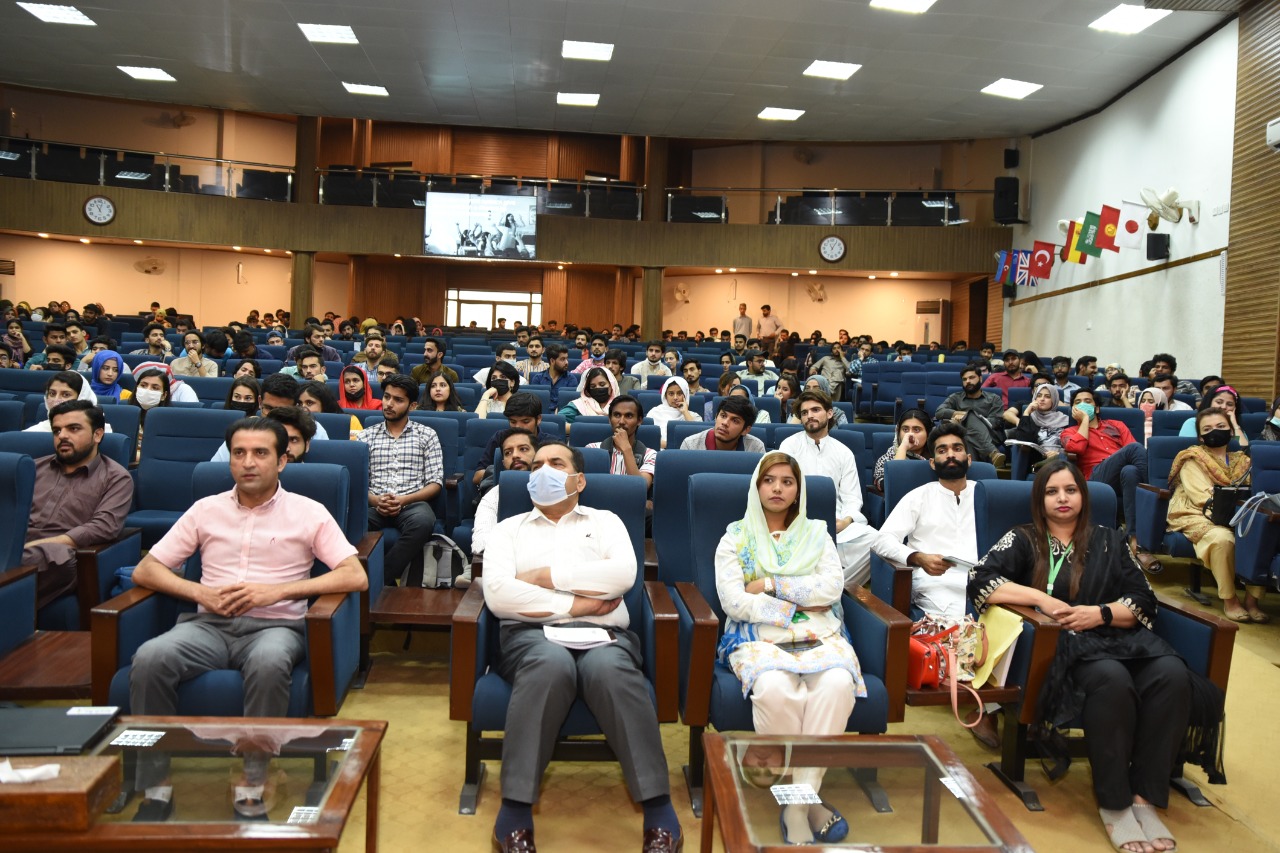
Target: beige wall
x,y
203,282
884,309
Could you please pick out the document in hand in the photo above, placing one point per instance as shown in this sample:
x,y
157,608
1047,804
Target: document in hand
x,y
957,563
578,638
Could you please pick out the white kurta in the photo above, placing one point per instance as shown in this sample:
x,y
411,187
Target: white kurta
x,y
933,520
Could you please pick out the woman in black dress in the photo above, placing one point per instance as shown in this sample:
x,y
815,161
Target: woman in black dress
x,y
1135,695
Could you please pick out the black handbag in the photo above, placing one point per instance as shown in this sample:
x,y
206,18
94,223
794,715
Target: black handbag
x,y
1222,506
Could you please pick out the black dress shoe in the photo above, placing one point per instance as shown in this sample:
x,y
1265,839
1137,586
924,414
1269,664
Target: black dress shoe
x,y
658,840
154,811
516,841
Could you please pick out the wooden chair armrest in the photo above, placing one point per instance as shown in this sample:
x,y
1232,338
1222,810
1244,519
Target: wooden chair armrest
x,y
14,575
1224,634
1163,494
1043,647
367,543
466,622
902,589
104,651
319,619
451,483
875,490
897,650
364,548
650,560
477,566
702,654
666,641
87,590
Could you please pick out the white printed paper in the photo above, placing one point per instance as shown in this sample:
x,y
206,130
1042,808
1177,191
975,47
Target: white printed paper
x,y
92,711
304,814
137,737
953,786
577,638
790,795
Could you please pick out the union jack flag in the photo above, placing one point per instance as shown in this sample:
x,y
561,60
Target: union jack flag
x,y
1022,265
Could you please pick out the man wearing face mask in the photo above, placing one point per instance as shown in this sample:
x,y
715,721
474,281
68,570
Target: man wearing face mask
x,y
1107,452
979,413
507,353
599,348
566,564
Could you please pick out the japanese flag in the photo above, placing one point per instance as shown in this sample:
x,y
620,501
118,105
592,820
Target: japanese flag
x,y
1133,225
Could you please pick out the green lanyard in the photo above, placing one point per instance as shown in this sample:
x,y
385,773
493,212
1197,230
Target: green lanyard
x,y
1056,565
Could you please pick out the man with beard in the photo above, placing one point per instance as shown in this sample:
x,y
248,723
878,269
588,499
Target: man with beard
x,y
615,361
300,426
81,499
980,415
821,455
599,346
937,521
518,447
1061,376
1013,377
432,361
626,454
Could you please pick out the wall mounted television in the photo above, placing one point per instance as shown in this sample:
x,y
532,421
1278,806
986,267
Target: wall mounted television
x,y
467,225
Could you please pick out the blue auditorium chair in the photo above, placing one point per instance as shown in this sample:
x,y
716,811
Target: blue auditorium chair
x,y
586,432
711,694
479,697
1152,507
320,680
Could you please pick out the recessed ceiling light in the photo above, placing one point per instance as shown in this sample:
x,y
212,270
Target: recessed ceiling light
x,y
10,155
599,51
779,114
577,99
1007,88
871,277
43,235
138,73
794,274
733,269
956,222
1126,19
268,251
718,270
328,33
84,240
288,252
235,248
831,70
397,254
51,14
813,272
133,176
559,266
915,7
138,242
893,275
363,89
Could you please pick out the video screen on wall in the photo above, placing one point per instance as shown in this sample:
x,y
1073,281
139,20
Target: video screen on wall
x,y
464,225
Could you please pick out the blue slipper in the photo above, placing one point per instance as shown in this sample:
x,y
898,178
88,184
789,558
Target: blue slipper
x,y
835,829
782,823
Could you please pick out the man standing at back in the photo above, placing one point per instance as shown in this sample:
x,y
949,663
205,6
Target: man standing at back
x,y
406,470
81,499
742,323
979,414
821,455
569,565
767,327
257,543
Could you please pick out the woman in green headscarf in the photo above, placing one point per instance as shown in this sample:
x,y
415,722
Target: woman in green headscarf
x,y
779,580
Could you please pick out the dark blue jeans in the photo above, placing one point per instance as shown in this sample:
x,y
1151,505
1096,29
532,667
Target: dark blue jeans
x,y
1123,471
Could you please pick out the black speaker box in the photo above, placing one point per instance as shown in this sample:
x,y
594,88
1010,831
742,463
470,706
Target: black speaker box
x,y
1011,158
1157,247
1008,291
1004,205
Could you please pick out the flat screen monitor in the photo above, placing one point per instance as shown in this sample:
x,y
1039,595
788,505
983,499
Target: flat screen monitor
x,y
466,225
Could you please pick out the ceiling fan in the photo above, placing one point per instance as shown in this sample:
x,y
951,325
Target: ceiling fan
x,y
1169,207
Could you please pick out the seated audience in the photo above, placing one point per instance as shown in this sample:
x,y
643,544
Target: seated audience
x,y
1150,400
1223,398
257,543
1040,425
596,387
375,345
432,363
518,446
356,389
442,396
193,361
1271,429
54,334
1119,386
1195,472
104,376
756,374
779,581
500,384
674,406
152,390
318,398
247,367
244,395
734,417
615,361
820,383
62,387
652,365
627,454
523,411
1061,367
1168,385
1135,695
980,415
506,354
737,389
1013,377
15,343
557,375
56,357
313,336
909,439
300,427
157,345
277,390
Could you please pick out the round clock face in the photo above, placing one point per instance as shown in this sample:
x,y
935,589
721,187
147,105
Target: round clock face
x,y
99,210
831,248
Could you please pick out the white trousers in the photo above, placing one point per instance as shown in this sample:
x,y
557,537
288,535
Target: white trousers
x,y
855,555
784,703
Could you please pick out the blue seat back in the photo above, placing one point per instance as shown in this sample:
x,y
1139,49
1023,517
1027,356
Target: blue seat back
x,y
17,486
1164,423
1001,505
175,441
904,475
12,415
336,425
38,444
671,519
210,389
354,457
622,496
587,432
1251,422
717,500
1160,453
1134,419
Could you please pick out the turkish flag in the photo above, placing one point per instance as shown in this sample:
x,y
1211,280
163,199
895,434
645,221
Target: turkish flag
x,y
1041,259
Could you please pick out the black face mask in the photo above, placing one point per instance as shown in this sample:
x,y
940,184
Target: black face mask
x,y
500,385
598,394
249,408
1216,438
953,470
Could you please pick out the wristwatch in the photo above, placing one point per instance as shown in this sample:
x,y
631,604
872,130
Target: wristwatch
x,y
768,586
1106,613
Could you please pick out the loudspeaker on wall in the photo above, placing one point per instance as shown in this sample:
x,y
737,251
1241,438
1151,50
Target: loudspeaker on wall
x,y
1011,158
1157,247
1004,205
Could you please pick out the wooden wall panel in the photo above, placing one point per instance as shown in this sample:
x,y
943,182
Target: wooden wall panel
x,y
590,298
960,311
580,153
427,147
389,287
555,294
337,142
495,277
995,314
492,152
1250,346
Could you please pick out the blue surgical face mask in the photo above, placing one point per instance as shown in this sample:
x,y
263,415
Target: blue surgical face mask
x,y
1087,408
547,486
1275,422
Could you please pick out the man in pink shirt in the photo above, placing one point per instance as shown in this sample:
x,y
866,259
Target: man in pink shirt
x,y
1013,377
257,544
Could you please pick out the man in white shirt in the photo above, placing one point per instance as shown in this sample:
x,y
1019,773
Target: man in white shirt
x,y
517,455
570,565
652,364
757,372
742,323
1169,384
821,455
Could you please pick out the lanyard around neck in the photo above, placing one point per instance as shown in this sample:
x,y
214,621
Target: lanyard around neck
x,y
1055,565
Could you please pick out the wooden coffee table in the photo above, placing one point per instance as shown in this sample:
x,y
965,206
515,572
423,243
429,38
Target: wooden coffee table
x,y
316,772
937,805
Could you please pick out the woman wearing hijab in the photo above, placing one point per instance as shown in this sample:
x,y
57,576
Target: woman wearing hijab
x,y
357,392
104,375
762,417
1042,424
674,406
820,383
779,580
596,389
15,341
1149,401
152,390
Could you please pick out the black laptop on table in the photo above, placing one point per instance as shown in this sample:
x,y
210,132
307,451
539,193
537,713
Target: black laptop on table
x,y
52,731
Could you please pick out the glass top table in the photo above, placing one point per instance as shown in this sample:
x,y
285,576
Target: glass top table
x,y
314,771
936,803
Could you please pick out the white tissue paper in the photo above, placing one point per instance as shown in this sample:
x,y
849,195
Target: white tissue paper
x,y
27,774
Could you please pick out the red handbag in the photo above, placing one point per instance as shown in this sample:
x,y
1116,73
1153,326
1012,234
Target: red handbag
x,y
924,663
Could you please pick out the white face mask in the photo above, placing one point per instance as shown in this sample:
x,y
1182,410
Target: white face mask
x,y
547,486
148,397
